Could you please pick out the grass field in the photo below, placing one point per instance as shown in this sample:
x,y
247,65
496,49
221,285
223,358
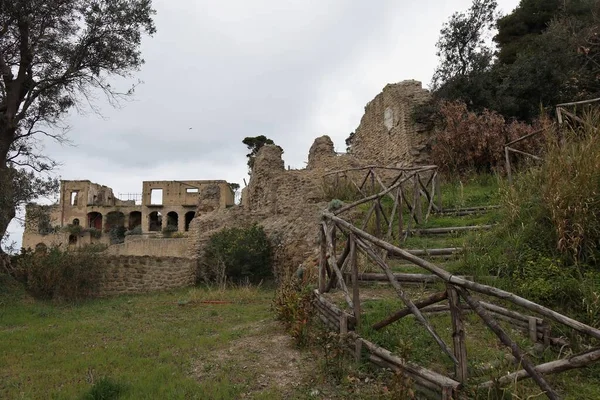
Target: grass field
x,y
166,345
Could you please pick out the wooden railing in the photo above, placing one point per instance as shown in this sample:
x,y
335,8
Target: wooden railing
x,y
415,193
339,269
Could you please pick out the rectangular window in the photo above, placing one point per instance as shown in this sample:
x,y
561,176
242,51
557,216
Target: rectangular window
x,y
156,196
191,190
74,195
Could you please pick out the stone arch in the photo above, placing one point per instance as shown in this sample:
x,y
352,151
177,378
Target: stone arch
x,y
114,219
41,248
94,220
189,216
72,239
135,219
75,222
173,219
155,221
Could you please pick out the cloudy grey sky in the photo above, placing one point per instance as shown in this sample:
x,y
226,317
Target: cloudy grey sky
x,y
288,69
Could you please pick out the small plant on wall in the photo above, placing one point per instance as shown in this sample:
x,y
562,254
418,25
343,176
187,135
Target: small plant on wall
x,y
169,230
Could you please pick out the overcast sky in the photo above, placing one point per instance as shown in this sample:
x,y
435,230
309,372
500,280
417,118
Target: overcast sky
x,y
218,71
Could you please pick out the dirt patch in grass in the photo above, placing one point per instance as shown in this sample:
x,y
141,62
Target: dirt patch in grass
x,y
265,359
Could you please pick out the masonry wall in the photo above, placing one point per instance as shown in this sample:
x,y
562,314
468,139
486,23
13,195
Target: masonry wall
x,y
131,274
155,247
387,134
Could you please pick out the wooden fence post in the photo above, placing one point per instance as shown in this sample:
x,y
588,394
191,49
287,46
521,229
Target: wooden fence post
x,y
417,201
508,167
322,261
458,334
355,288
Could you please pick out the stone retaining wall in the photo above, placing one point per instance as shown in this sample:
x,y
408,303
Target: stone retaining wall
x,y
131,274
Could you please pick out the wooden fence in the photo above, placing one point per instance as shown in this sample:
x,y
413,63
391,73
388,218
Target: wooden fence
x,y
415,193
339,269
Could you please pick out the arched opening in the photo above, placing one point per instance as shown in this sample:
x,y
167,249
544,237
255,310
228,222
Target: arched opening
x,y
72,239
41,248
135,219
76,222
172,220
95,220
189,216
155,224
114,220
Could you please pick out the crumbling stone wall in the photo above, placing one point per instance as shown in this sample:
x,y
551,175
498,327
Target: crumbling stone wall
x,y
287,203
387,134
130,274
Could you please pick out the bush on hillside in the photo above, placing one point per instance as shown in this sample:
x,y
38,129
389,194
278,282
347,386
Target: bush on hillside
x,y
548,243
467,141
239,255
57,274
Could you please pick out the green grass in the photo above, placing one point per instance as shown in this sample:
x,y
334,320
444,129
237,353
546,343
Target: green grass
x,y
145,345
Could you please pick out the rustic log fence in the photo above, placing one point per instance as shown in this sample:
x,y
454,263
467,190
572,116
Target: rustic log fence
x,y
339,269
414,192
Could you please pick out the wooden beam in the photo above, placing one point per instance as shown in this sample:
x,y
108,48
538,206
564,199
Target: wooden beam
x,y
334,267
458,335
436,298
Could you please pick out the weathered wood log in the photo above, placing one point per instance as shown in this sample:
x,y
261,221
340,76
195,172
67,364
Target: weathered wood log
x,y
436,298
477,287
354,269
552,367
458,334
333,265
322,261
509,313
340,263
407,301
410,368
524,153
507,341
417,379
454,229
436,252
525,137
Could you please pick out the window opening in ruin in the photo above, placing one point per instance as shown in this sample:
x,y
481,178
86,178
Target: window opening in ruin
x,y
173,220
135,219
95,220
189,216
156,196
76,222
74,196
114,219
72,239
191,190
155,224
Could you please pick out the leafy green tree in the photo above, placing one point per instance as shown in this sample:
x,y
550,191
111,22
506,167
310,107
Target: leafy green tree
x,y
56,55
461,48
254,144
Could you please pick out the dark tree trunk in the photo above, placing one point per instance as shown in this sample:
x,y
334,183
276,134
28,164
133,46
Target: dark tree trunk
x,y
7,192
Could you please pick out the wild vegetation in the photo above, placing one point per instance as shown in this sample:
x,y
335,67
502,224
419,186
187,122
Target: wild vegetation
x,y
238,254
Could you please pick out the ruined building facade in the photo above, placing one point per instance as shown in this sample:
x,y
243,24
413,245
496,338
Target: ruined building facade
x,y
87,213
387,134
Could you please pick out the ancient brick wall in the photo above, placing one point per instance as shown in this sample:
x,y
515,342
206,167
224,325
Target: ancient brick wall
x,y
137,245
131,274
387,134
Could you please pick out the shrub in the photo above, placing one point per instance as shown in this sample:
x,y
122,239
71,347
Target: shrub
x,y
178,235
292,306
467,141
117,234
169,230
67,275
548,243
135,231
239,254
104,389
94,233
